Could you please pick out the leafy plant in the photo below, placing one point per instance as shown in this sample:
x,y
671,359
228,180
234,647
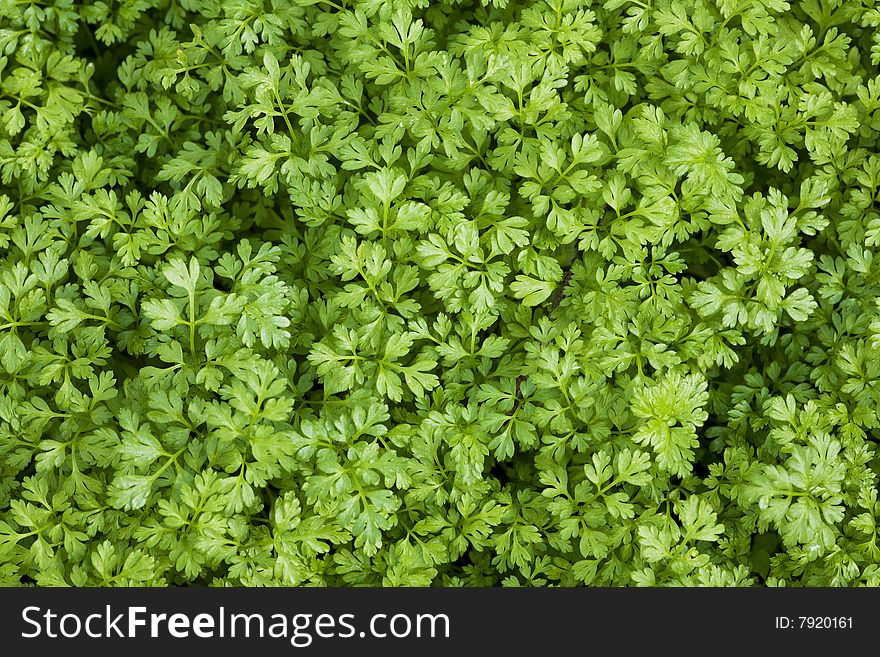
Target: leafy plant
x,y
457,293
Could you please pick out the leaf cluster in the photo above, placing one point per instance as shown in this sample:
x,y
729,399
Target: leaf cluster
x,y
454,293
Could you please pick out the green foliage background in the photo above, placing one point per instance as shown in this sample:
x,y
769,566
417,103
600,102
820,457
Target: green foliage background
x,y
374,292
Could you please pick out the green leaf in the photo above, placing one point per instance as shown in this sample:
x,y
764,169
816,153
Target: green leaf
x,y
532,291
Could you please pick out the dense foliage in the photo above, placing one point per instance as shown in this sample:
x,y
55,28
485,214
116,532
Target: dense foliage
x,y
398,292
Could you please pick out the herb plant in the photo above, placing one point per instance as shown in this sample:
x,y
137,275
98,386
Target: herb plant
x,y
457,293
